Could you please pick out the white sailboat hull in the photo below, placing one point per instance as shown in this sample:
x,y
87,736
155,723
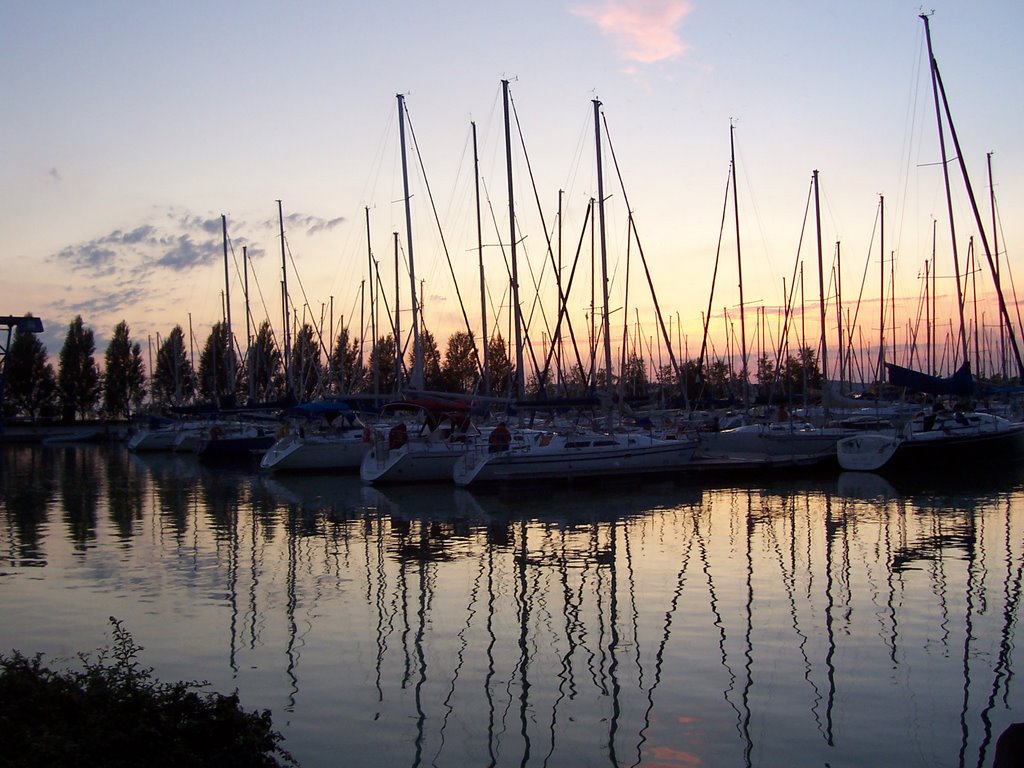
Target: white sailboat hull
x,y
560,457
316,453
415,462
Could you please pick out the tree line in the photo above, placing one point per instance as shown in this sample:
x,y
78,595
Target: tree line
x,y
227,376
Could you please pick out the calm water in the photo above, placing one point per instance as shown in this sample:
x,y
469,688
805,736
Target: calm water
x,y
839,622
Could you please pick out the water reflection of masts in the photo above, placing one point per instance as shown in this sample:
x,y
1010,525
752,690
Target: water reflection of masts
x,y
968,632
421,659
384,628
234,557
659,656
570,612
524,655
461,655
1001,671
291,604
748,653
830,606
491,641
613,642
788,570
713,605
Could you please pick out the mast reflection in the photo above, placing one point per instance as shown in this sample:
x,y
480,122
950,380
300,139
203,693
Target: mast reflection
x,y
663,624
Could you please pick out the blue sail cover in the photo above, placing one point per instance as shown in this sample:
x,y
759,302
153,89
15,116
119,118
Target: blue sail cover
x,y
960,384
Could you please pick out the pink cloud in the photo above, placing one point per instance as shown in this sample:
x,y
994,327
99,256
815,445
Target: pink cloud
x,y
643,31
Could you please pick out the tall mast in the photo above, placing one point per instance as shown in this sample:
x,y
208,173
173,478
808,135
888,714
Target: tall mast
x,y
561,298
284,306
839,313
229,377
937,86
248,326
362,330
398,322
934,369
483,285
881,288
373,309
821,281
739,263
605,324
995,250
417,351
933,67
516,309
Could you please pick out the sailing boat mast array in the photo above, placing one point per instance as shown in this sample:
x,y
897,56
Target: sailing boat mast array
x,y
284,307
745,384
486,382
517,319
605,323
416,378
939,93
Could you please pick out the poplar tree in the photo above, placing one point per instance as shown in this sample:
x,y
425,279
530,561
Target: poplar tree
x,y
78,377
432,377
124,380
459,370
264,369
218,382
174,380
307,370
346,375
500,366
382,364
31,382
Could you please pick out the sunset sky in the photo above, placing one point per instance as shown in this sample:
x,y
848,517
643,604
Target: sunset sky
x,y
129,128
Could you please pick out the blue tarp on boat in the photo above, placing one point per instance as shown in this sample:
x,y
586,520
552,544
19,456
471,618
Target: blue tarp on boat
x,y
960,384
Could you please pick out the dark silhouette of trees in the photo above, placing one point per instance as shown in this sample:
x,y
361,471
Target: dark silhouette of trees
x,y
432,376
307,371
264,368
801,373
500,366
718,377
174,381
633,379
218,375
31,382
124,376
460,371
345,373
78,377
382,365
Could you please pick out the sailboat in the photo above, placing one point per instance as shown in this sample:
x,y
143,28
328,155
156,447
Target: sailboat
x,y
230,440
937,438
527,456
440,429
328,438
417,441
788,441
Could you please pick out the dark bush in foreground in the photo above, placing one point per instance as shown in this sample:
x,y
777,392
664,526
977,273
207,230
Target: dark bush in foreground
x,y
113,713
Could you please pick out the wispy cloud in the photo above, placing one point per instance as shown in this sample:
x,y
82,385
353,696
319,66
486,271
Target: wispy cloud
x,y
185,242
150,266
325,225
103,301
312,224
642,31
182,253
